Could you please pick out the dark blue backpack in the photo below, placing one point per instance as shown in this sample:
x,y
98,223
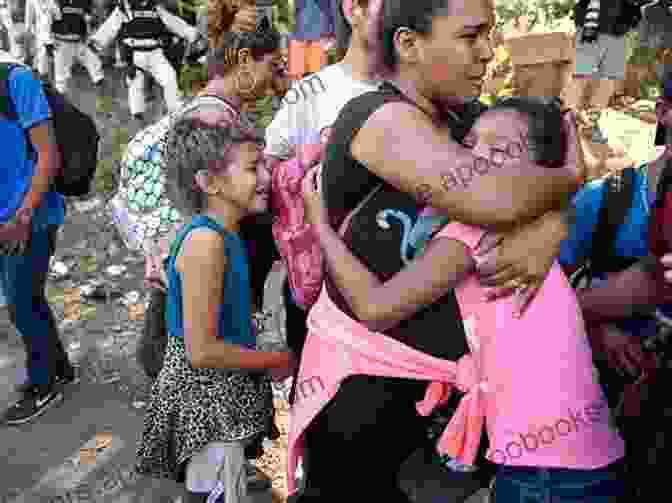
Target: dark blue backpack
x,y
76,135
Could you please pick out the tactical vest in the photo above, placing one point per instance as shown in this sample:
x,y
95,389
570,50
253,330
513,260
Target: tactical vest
x,y
143,21
72,25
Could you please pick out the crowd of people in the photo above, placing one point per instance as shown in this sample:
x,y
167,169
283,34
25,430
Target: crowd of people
x,y
60,33
425,236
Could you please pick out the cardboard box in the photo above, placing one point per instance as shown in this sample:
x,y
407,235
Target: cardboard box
x,y
539,48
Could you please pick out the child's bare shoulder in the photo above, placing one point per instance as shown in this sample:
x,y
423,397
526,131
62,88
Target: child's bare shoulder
x,y
202,247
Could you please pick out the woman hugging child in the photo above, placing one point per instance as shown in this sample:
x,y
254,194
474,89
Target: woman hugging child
x,y
547,420
213,395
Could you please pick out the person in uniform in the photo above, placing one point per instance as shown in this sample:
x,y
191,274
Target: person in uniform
x,y
142,27
70,34
15,49
40,14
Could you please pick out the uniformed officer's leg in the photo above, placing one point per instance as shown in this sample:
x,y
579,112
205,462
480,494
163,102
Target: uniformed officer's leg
x,y
165,74
92,63
64,57
136,87
42,59
12,34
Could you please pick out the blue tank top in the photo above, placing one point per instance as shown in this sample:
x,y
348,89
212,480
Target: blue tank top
x,y
235,322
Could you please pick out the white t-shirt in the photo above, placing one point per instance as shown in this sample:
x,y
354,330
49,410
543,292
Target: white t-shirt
x,y
312,104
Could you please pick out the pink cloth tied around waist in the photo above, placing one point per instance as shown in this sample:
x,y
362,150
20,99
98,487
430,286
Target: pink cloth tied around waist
x,y
338,347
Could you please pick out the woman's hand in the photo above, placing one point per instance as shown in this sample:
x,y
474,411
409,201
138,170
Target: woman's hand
x,y
666,260
518,262
622,351
316,211
664,111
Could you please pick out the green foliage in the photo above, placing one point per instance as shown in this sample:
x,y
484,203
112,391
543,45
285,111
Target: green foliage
x,y
539,12
284,10
191,74
104,181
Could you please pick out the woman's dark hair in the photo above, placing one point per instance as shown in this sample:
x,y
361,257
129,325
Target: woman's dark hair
x,y
225,38
223,57
387,16
341,25
546,139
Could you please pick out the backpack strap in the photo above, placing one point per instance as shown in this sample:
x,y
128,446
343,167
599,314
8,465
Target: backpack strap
x,y
616,202
7,108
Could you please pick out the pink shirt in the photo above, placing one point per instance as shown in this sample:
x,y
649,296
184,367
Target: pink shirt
x,y
544,406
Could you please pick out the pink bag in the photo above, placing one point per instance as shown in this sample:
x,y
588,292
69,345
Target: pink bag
x,y
294,237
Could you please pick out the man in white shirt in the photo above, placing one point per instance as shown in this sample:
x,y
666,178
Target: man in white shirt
x,y
311,105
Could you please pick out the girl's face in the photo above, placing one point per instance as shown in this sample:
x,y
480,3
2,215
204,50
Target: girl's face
x,y
452,59
500,135
270,74
245,182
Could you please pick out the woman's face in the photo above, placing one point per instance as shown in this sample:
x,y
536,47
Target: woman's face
x,y
453,58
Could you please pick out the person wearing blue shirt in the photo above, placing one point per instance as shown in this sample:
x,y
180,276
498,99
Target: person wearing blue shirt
x,y
623,301
30,159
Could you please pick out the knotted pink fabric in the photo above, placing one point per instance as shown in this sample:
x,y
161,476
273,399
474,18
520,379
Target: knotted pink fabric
x,y
337,347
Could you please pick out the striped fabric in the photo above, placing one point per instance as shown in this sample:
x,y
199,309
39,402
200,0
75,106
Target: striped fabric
x,y
592,15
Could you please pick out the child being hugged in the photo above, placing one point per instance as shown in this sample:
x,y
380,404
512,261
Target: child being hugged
x,y
547,419
213,395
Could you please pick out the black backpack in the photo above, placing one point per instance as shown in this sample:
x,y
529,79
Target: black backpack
x,y
76,135
616,201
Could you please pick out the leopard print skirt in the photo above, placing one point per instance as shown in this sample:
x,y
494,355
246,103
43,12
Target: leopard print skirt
x,y
189,408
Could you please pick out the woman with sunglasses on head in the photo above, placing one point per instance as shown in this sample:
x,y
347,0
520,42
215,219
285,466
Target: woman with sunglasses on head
x,y
244,64
392,152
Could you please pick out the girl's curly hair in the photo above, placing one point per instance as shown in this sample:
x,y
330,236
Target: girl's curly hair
x,y
193,146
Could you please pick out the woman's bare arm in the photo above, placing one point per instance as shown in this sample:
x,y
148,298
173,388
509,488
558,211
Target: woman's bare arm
x,y
382,305
399,144
201,264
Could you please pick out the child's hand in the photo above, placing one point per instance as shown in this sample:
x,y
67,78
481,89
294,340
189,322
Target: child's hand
x,y
316,212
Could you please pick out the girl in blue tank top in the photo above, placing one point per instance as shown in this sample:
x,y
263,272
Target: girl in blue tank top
x,y
212,397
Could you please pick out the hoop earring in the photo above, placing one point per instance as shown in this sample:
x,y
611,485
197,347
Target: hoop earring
x,y
246,91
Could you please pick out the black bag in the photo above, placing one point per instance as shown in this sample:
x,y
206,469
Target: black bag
x,y
76,135
616,202
154,339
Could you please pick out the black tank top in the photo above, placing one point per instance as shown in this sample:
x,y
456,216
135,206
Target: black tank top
x,y
436,330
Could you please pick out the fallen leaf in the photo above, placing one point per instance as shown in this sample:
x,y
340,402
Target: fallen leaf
x,y
87,455
72,304
136,312
103,440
